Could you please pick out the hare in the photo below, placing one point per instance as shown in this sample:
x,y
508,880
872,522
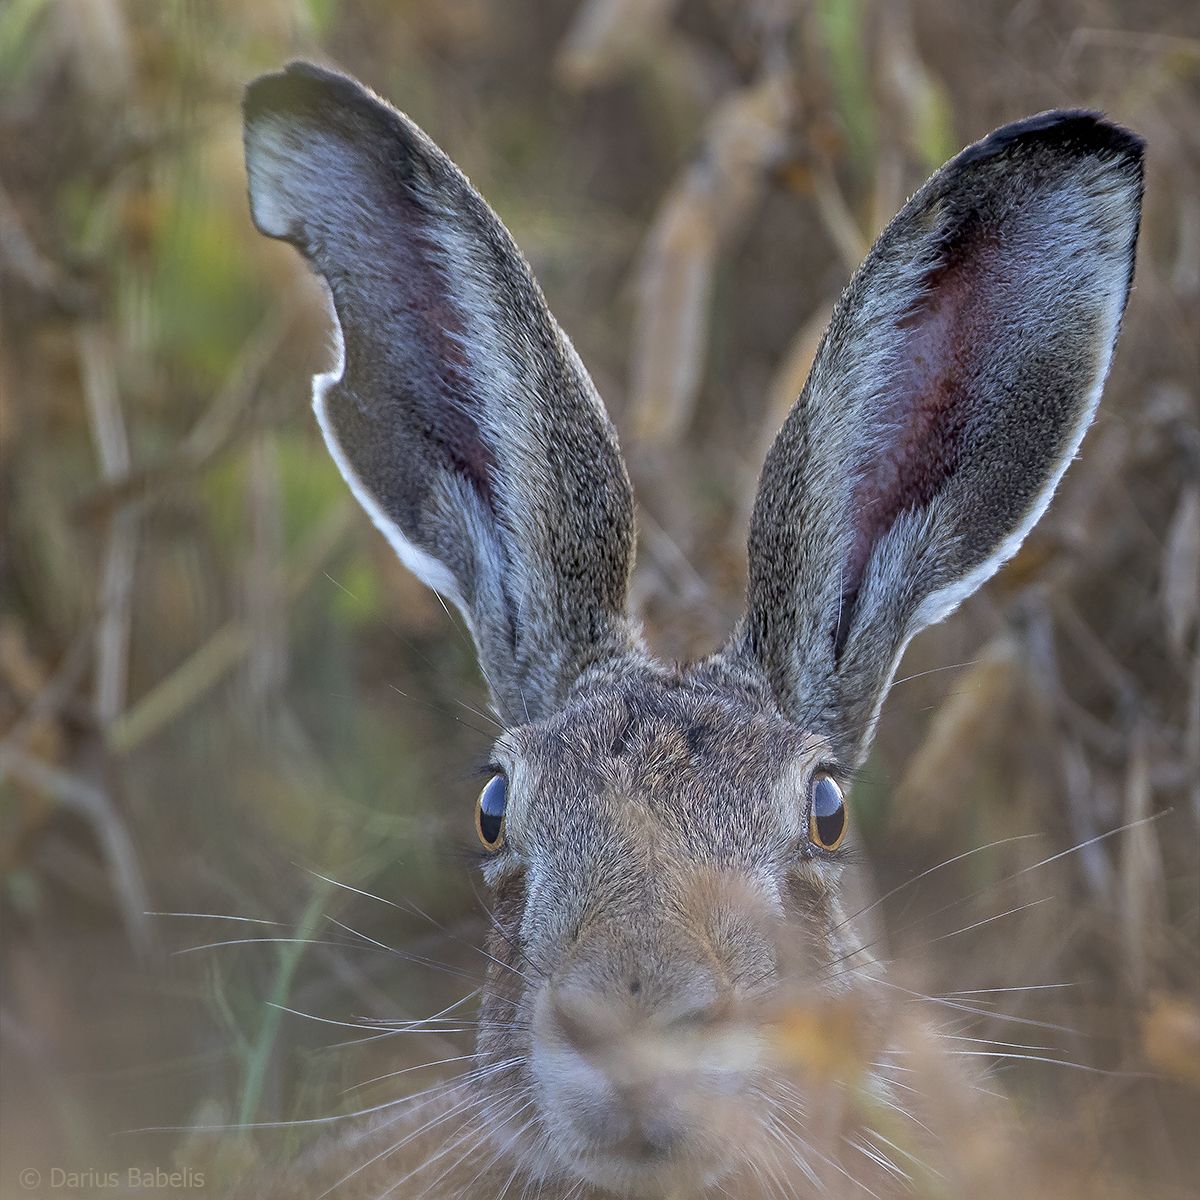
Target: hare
x,y
662,842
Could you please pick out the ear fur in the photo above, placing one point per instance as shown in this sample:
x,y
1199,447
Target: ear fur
x,y
458,411
959,373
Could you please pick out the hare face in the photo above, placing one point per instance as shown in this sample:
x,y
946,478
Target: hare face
x,y
660,887
656,884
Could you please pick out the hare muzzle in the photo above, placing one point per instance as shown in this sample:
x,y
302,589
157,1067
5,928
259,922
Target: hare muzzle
x,y
646,1070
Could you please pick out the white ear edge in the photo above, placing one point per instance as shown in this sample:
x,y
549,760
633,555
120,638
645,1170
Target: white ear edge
x,y
429,570
271,167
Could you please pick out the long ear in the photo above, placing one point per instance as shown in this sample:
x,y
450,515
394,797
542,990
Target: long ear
x,y
458,412
958,375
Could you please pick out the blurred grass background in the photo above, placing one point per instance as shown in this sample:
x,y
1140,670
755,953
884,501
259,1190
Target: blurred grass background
x,y
218,687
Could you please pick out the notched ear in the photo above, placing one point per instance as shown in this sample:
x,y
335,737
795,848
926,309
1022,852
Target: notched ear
x,y
458,412
959,373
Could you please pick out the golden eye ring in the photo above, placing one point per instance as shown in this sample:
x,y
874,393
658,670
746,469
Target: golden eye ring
x,y
489,812
827,818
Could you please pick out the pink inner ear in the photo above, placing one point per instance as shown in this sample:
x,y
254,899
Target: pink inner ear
x,y
449,402
925,409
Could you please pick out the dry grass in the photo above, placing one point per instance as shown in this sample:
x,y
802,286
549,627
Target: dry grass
x,y
215,682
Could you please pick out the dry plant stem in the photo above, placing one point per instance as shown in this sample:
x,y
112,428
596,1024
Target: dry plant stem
x,y
1192,731
1106,665
58,690
99,39
844,231
208,665
1142,901
21,257
688,586
1045,695
117,571
1080,790
215,432
606,35
265,601
706,207
94,805
1181,571
786,384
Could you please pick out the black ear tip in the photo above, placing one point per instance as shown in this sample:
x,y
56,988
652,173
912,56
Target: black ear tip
x,y
300,89
1074,132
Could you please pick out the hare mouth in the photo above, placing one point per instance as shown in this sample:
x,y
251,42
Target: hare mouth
x,y
653,1158
651,1171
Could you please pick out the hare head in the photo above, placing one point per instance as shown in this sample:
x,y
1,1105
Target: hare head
x,y
663,842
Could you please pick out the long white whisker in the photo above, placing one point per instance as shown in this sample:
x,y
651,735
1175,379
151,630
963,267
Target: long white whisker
x,y
259,941
988,920
879,1158
1057,1062
216,917
1020,837
441,1062
978,1012
455,1109
1028,987
299,1122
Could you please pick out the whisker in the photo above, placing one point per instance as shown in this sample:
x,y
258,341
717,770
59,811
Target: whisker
x,y
410,906
349,887
962,1037
990,887
1057,1062
924,1166
258,942
979,1012
971,662
879,1158
422,960
497,1154
470,1101
478,659
383,1027
438,708
1027,987
1020,837
451,1112
988,920
216,917
441,1062
462,941
296,1122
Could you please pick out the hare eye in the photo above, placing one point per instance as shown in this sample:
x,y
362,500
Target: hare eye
x,y
489,812
826,813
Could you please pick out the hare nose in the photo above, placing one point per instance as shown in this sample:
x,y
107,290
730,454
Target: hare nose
x,y
589,1017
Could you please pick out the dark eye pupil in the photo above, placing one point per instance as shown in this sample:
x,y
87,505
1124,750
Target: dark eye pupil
x,y
828,811
492,802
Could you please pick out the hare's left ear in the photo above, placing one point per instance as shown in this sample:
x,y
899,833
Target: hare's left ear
x,y
960,370
460,415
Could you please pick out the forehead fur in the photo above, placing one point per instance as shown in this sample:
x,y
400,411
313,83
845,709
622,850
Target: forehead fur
x,y
685,760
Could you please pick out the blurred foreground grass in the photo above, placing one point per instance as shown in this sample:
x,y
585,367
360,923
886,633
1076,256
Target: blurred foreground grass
x,y
217,687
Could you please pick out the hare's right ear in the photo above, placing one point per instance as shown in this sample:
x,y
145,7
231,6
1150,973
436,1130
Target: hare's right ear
x,y
959,373
460,415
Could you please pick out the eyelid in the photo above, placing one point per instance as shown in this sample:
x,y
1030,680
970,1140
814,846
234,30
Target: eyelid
x,y
840,775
